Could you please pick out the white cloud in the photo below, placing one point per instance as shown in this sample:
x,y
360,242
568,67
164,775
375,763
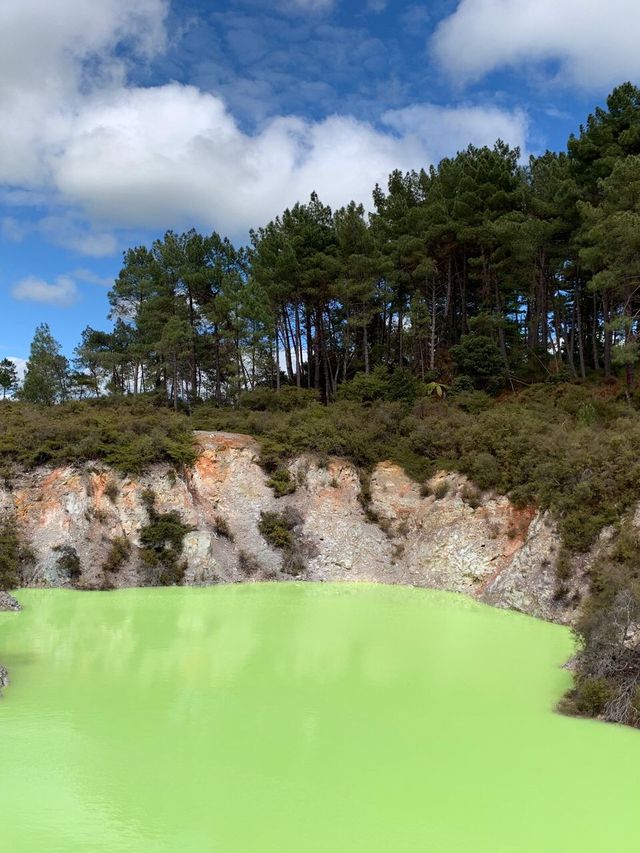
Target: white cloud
x,y
449,129
153,157
63,292
172,155
12,229
44,46
594,43
63,230
91,277
69,232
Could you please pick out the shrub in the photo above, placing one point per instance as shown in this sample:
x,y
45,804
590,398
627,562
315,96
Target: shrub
x,y
112,490
221,527
276,528
118,554
162,542
288,399
592,695
478,357
282,482
128,434
10,555
279,530
441,490
293,564
247,564
471,496
68,561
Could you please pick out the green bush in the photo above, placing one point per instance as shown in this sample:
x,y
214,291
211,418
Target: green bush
x,y
162,542
288,399
112,490
282,482
118,554
221,527
276,528
478,357
10,555
68,561
592,695
128,434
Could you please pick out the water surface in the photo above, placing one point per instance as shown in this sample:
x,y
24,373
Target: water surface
x,y
299,719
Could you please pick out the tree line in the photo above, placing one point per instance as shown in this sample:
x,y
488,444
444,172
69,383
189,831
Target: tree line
x,y
480,270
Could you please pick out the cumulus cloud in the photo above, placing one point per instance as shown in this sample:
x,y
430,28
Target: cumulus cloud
x,y
69,232
44,48
593,43
173,155
63,292
151,156
449,129
65,230
91,277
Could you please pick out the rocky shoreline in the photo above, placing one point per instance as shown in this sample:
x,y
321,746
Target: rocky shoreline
x,y
82,528
7,602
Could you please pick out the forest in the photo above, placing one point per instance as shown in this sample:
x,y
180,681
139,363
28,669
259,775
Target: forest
x,y
484,316
481,270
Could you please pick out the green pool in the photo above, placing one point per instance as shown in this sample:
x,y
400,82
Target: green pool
x,y
299,719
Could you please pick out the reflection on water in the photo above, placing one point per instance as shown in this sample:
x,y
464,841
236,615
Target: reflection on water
x,y
299,718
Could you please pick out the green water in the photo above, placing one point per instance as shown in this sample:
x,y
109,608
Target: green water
x,y
299,718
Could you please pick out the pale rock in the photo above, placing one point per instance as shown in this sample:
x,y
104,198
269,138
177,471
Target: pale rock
x,y
492,551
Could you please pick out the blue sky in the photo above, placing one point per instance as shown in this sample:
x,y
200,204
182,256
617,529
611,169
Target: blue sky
x,y
121,120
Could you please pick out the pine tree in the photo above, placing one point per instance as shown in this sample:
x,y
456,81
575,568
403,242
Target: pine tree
x,y
8,377
46,379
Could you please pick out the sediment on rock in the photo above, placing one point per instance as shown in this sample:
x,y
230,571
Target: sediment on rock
x,y
82,525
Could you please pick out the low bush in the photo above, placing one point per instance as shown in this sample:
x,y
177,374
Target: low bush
x,y
162,542
276,528
118,555
247,564
127,433
221,527
282,482
68,561
13,555
112,490
281,530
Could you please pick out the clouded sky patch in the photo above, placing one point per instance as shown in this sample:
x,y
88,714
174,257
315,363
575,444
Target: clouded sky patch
x,y
123,120
62,292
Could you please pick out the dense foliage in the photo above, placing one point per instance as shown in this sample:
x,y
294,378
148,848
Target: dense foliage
x,y
128,434
480,267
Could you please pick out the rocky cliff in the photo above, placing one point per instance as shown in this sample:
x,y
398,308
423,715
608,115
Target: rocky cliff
x,y
447,536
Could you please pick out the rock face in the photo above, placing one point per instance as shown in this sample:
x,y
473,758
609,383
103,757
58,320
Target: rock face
x,y
452,539
8,602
